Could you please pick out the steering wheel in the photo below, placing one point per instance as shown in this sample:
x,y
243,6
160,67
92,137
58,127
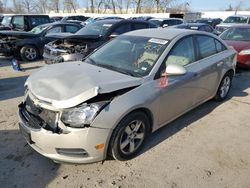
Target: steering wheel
x,y
146,63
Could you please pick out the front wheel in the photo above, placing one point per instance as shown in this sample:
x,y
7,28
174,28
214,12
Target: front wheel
x,y
29,53
224,87
129,136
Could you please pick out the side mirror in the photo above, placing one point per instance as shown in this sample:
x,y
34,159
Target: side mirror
x,y
165,25
175,69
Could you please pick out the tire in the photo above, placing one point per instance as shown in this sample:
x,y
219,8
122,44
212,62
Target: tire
x,y
224,87
121,142
29,53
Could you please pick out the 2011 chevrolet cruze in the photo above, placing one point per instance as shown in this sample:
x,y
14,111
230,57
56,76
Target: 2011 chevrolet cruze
x,y
109,104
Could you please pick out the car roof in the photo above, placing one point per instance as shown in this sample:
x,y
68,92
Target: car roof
x,y
58,23
113,21
239,15
162,33
191,24
161,19
240,26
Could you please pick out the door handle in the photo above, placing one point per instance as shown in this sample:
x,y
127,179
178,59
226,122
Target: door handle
x,y
220,63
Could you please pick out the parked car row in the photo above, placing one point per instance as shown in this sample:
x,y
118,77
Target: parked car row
x,y
74,37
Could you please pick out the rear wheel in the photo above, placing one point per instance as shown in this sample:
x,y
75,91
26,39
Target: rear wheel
x,y
129,136
224,87
29,53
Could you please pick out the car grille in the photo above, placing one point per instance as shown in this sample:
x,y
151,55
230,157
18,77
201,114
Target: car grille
x,y
38,117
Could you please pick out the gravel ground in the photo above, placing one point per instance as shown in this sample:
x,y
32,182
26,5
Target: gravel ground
x,y
207,147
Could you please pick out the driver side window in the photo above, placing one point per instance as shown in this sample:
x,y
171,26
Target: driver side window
x,y
55,30
182,53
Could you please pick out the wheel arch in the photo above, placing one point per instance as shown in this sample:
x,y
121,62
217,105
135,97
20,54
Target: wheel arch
x,y
144,110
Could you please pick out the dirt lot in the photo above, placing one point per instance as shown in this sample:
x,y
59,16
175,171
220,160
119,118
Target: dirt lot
x,y
208,147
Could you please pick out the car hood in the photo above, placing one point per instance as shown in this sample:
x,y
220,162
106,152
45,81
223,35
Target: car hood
x,y
238,45
66,85
18,34
59,35
70,36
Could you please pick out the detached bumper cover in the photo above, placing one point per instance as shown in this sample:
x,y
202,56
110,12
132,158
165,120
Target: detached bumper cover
x,y
75,146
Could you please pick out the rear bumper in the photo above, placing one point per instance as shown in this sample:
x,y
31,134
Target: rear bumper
x,y
75,146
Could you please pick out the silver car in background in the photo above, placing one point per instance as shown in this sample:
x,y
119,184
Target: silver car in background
x,y
81,112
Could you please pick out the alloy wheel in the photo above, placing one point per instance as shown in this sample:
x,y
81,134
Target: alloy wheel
x,y
132,137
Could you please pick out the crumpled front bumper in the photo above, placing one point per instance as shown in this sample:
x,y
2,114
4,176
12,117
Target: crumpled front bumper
x,y
77,145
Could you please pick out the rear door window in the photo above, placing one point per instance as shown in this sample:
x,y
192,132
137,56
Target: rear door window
x,y
71,28
206,46
57,29
35,21
219,46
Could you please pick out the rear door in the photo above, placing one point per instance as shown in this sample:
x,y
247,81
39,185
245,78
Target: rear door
x,y
211,59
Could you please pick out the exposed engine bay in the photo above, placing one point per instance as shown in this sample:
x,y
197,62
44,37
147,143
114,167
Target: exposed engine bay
x,y
69,46
7,43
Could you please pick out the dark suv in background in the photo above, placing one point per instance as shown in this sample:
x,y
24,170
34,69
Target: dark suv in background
x,y
23,22
76,47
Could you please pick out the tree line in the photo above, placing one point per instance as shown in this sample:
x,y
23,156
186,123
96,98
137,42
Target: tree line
x,y
91,6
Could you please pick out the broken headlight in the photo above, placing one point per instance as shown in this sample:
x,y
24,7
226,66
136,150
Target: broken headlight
x,y
82,115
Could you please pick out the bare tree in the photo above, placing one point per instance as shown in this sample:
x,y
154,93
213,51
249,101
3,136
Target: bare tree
x,y
17,7
70,5
92,6
128,5
138,6
42,6
29,6
54,5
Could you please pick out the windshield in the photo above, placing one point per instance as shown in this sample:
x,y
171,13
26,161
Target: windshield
x,y
236,19
6,20
96,28
237,34
133,55
38,29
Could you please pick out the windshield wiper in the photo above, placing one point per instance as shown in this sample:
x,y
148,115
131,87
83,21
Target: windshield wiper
x,y
91,61
123,71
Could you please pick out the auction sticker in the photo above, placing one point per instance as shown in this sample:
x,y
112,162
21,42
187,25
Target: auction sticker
x,y
158,41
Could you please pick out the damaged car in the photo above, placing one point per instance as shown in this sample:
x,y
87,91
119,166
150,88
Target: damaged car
x,y
80,112
86,40
29,45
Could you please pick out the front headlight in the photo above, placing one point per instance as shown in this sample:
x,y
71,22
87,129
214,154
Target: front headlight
x,y
81,115
245,52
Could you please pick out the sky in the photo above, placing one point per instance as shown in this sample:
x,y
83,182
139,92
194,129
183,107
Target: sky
x,y
195,5
203,5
